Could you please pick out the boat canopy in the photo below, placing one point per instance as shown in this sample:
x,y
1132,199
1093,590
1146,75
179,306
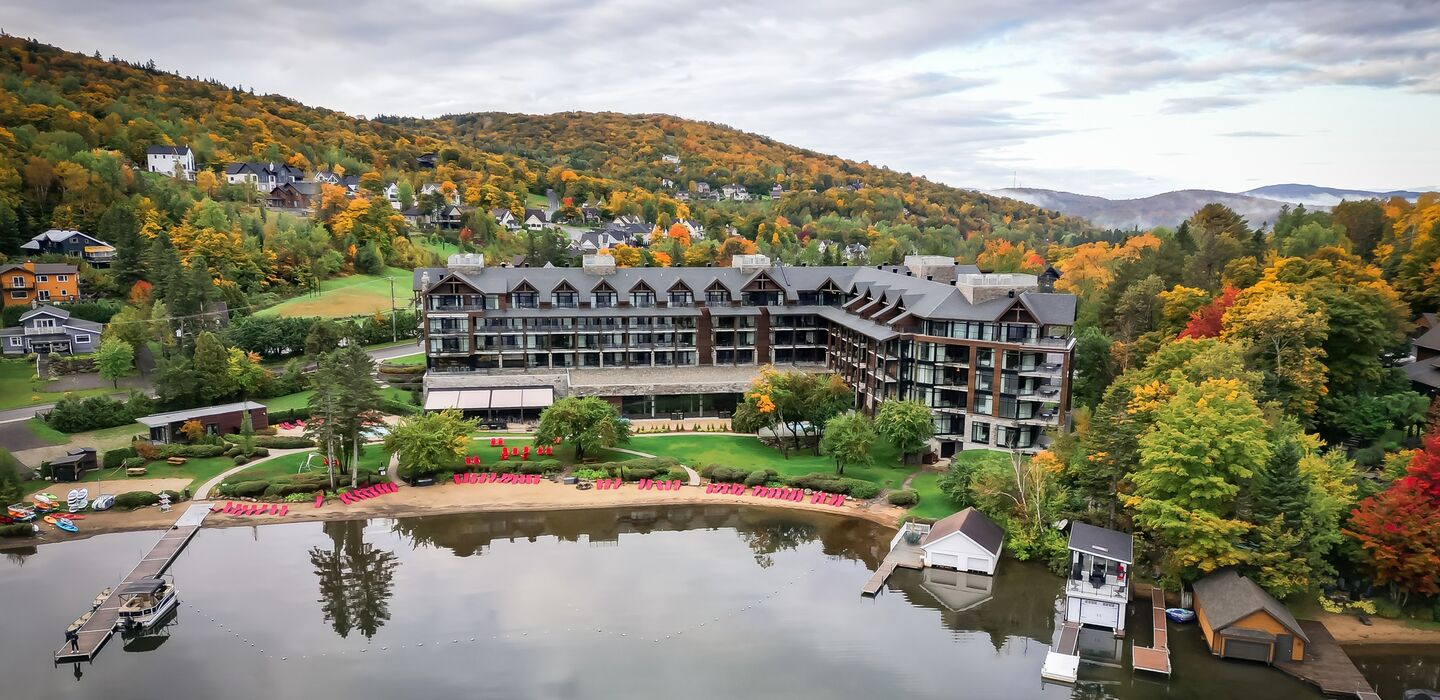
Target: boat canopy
x,y
144,586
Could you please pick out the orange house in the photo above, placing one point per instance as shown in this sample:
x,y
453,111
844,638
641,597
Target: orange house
x,y
1241,621
45,283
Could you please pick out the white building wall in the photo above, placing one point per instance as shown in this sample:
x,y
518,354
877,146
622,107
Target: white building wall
x,y
959,552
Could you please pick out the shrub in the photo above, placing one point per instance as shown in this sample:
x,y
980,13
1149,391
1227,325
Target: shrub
x,y
149,450
530,467
132,462
551,466
903,498
759,477
240,459
637,473
17,530
279,442
195,451
114,458
249,488
726,474
130,500
816,481
591,474
73,415
862,490
677,473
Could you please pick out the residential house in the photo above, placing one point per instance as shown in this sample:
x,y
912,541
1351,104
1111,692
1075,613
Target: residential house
x,y
1424,369
416,217
48,329
427,160
682,196
589,214
697,229
667,183
702,187
1098,587
169,160
431,188
263,176
506,219
964,541
294,195
670,158
450,217
735,191
855,251
71,243
326,177
536,220
217,420
392,195
28,282
776,191
1241,621
351,183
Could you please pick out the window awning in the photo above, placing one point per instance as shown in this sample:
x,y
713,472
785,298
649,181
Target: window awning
x,y
483,399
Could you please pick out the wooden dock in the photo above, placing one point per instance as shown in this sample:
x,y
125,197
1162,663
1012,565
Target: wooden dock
x,y
1062,661
95,631
903,556
1156,657
1327,666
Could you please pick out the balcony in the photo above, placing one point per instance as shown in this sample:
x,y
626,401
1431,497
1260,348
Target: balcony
x,y
1111,588
1048,369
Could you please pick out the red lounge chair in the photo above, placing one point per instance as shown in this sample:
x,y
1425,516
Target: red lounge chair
x,y
710,488
815,497
643,484
391,487
619,482
283,510
274,509
456,476
839,500
602,484
319,499
345,498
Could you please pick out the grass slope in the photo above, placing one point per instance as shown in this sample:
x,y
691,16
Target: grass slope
x,y
342,297
933,502
744,452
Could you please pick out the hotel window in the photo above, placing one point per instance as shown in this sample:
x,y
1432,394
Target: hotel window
x,y
714,296
605,300
42,278
44,295
985,357
524,300
642,299
980,432
565,300
681,298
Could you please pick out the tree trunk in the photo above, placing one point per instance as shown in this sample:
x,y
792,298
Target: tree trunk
x,y
355,463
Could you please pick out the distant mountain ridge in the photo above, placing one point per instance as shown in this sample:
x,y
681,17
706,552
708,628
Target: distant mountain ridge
x,y
1259,206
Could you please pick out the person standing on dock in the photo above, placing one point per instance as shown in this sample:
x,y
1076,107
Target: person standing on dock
x,y
73,637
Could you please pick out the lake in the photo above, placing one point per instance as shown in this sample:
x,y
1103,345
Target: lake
x,y
685,601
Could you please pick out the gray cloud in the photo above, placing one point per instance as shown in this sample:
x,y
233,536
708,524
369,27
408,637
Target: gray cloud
x,y
908,86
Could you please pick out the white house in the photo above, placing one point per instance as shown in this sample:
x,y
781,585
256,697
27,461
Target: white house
x,y
1098,587
505,219
168,160
735,191
535,219
965,541
670,158
430,188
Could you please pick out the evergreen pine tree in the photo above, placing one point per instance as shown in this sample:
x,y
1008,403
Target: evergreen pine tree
x,y
120,227
11,236
1279,488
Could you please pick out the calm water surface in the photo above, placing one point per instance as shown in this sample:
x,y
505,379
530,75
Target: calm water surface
x,y
684,602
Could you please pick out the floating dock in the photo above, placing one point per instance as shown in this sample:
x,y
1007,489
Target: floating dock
x,y
100,625
1327,666
902,555
1156,657
1062,662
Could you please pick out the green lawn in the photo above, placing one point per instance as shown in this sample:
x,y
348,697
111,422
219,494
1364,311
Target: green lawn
x,y
18,388
371,460
438,246
699,449
935,504
348,296
197,470
536,201
480,446
410,360
299,399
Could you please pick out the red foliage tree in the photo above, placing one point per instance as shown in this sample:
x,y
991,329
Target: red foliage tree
x,y
1399,528
141,292
1205,322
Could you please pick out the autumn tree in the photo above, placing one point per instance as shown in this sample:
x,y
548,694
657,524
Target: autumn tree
x,y
1399,528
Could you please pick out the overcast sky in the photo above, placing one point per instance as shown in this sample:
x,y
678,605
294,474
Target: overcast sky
x,y
1107,97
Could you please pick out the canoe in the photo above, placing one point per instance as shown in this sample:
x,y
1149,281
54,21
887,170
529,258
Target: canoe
x,y
1180,615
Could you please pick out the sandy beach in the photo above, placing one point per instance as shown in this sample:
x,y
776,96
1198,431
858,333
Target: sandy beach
x,y
450,498
1347,629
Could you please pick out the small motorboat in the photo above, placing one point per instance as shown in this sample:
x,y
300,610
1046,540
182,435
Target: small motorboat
x,y
1180,615
145,602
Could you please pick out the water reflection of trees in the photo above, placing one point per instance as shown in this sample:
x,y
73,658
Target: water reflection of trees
x,y
355,579
18,555
765,539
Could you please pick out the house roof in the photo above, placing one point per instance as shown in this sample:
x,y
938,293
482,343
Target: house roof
x,y
156,420
538,214
1430,340
159,150
63,316
59,235
1227,597
971,523
1426,372
42,268
1102,542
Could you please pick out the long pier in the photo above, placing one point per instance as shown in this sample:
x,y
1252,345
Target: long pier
x,y
902,555
99,624
1156,657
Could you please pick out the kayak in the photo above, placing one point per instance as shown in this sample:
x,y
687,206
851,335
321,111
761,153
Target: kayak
x,y
1180,615
66,525
104,502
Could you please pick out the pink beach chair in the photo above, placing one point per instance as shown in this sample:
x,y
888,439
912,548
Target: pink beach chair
x,y
457,476
283,510
319,499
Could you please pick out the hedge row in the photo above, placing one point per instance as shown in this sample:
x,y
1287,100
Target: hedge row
x,y
131,500
279,442
116,457
17,530
903,497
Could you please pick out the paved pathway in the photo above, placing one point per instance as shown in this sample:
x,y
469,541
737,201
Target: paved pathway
x,y
694,475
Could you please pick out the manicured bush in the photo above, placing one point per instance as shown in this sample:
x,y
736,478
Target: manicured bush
x,y
133,462
551,466
679,473
240,459
195,451
114,458
759,477
862,490
17,530
283,442
637,473
820,482
903,498
130,500
249,488
725,474
590,474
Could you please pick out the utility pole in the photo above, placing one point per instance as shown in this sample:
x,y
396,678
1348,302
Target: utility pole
x,y
394,334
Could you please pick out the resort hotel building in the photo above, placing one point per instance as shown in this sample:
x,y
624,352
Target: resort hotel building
x,y
990,354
